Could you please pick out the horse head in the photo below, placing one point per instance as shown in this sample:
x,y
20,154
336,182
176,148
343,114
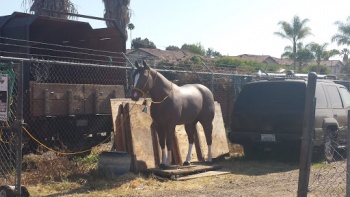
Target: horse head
x,y
142,81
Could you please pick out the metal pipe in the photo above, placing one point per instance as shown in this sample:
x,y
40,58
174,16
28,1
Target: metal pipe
x,y
212,77
306,140
18,128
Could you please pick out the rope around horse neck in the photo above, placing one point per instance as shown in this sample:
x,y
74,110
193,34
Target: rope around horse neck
x,y
144,94
167,96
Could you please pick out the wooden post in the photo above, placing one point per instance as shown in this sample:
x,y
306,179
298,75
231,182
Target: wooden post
x,y
70,102
96,102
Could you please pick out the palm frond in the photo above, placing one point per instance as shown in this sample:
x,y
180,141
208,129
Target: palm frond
x,y
37,7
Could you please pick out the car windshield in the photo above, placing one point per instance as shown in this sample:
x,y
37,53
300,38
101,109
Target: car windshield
x,y
272,95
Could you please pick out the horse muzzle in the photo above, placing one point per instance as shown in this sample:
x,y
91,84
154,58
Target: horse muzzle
x,y
135,95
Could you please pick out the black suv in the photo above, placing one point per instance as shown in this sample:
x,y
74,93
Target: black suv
x,y
269,114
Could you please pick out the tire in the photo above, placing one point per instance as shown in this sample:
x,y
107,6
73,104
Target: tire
x,y
6,191
329,146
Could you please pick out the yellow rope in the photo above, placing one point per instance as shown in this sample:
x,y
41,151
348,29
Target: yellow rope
x,y
72,153
1,132
158,102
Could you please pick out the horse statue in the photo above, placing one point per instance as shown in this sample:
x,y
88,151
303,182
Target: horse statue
x,y
173,105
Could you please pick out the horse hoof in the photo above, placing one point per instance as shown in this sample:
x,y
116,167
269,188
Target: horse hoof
x,y
162,166
186,163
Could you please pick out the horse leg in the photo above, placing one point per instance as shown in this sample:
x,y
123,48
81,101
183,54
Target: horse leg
x,y
169,144
161,137
190,130
208,131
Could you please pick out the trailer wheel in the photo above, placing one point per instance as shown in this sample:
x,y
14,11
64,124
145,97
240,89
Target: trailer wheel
x,y
6,191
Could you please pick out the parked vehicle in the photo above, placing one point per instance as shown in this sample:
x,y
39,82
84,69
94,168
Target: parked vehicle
x,y
270,114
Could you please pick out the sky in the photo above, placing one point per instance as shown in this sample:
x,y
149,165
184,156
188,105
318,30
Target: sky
x,y
231,27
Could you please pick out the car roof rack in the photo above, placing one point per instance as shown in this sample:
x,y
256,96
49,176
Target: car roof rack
x,y
289,74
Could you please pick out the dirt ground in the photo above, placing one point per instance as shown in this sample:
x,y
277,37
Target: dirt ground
x,y
263,177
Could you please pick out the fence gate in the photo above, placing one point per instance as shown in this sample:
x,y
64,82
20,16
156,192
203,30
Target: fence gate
x,y
11,118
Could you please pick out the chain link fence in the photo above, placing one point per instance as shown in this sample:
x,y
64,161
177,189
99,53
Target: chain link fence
x,y
10,123
66,111
330,178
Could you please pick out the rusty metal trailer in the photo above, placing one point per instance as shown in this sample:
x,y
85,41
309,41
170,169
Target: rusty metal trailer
x,y
65,102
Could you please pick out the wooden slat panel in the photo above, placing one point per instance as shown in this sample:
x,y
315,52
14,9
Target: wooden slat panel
x,y
104,94
57,91
82,98
57,107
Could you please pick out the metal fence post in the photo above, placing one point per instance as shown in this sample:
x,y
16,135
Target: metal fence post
x,y
306,143
18,128
212,78
348,158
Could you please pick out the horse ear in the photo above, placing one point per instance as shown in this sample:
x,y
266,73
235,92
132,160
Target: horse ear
x,y
145,65
137,64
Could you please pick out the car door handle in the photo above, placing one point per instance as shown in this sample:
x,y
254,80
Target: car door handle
x,y
335,115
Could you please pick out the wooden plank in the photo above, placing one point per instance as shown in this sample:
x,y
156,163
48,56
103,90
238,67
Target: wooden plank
x,y
220,144
58,91
57,107
128,137
118,131
201,175
182,170
119,127
141,138
79,98
98,97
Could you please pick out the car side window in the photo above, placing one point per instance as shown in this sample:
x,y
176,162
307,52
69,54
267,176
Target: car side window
x,y
345,95
334,97
321,100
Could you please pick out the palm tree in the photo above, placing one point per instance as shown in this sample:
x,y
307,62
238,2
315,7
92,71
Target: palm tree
x,y
302,56
343,35
321,53
131,27
345,52
330,53
37,7
294,31
117,10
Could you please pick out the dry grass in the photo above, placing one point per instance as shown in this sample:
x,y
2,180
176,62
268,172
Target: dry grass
x,y
53,176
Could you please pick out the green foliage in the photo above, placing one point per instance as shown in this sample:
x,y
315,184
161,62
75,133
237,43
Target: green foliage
x,y
302,56
131,26
244,66
324,70
172,48
343,35
194,48
212,53
294,31
142,43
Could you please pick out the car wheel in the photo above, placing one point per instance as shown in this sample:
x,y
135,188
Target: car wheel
x,y
6,191
329,146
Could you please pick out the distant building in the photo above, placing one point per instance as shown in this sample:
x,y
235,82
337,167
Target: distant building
x,y
265,59
336,66
154,56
